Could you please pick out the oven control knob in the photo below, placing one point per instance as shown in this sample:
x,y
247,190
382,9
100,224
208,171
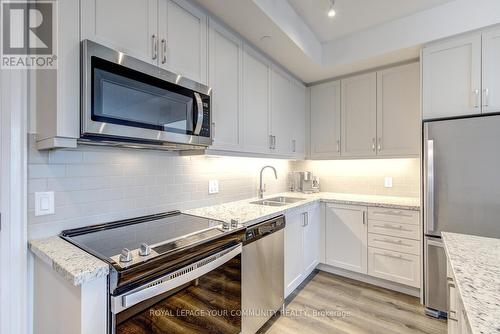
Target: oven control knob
x,y
144,250
126,255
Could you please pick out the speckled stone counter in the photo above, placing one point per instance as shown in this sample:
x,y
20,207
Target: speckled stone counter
x,y
248,213
72,263
79,267
475,262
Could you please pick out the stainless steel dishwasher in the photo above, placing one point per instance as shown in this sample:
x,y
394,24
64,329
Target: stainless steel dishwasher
x,y
262,271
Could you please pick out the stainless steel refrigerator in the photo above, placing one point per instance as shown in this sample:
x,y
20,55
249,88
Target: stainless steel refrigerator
x,y
461,169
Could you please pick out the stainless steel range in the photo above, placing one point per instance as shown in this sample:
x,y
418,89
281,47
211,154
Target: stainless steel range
x,y
169,273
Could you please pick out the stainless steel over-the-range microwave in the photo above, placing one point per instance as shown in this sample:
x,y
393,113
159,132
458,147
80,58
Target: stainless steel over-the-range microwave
x,y
126,101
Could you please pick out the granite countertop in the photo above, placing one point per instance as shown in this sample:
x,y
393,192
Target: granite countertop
x,y
79,267
475,262
72,263
249,214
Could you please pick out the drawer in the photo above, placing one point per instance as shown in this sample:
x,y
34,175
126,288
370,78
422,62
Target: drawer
x,y
394,229
394,266
394,243
394,215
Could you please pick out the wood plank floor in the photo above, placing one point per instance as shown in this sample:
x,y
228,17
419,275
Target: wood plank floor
x,y
327,303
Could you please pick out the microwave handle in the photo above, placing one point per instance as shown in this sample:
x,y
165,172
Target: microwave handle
x,y
199,113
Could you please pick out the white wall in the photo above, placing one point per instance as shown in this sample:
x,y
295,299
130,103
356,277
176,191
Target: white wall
x,y
100,184
366,176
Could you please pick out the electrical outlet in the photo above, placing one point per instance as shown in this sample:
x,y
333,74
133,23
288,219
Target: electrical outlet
x,y
388,182
44,203
213,186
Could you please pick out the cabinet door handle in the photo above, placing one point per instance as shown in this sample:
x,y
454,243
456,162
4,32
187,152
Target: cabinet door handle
x,y
213,130
486,97
373,144
338,145
163,51
270,142
307,218
154,47
274,142
476,99
364,217
379,144
399,256
293,145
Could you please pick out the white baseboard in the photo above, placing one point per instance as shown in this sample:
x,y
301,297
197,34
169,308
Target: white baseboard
x,y
370,280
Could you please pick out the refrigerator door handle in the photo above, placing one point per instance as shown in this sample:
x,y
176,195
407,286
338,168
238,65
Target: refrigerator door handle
x,y
429,201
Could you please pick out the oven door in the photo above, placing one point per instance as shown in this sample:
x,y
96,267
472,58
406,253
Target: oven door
x,y
204,297
125,98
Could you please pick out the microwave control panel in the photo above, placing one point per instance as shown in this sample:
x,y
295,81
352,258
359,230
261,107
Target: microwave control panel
x,y
205,127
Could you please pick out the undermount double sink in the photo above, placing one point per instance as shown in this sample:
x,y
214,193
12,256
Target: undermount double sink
x,y
278,201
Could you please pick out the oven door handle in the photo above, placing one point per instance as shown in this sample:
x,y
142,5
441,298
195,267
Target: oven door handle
x,y
173,280
199,113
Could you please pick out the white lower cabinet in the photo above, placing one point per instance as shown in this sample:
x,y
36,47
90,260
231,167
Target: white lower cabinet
x,y
457,322
378,242
346,232
394,266
302,245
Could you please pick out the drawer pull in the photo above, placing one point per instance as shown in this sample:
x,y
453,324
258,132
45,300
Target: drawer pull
x,y
392,227
399,242
393,213
393,256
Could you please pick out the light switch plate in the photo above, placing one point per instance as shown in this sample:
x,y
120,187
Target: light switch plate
x,y
213,186
44,203
388,182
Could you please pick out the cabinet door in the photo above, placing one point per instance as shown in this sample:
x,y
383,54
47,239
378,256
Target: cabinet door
x,y
293,251
394,266
255,102
312,239
298,98
325,120
281,112
398,111
225,77
359,115
452,78
183,39
491,71
346,237
132,29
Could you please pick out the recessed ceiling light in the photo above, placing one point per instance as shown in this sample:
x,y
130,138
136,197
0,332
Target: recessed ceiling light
x,y
331,11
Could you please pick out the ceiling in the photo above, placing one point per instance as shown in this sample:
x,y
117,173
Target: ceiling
x,y
365,34
355,15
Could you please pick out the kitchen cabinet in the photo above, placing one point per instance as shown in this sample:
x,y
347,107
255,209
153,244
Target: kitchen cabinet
x,y
359,115
394,266
256,101
398,111
225,77
183,39
282,117
169,33
325,120
491,71
457,320
452,78
302,245
298,98
133,29
346,237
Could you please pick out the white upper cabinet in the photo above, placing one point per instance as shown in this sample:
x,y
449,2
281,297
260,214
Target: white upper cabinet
x,y
256,102
129,26
398,111
325,120
225,78
452,78
298,98
183,39
282,117
346,237
359,115
491,71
